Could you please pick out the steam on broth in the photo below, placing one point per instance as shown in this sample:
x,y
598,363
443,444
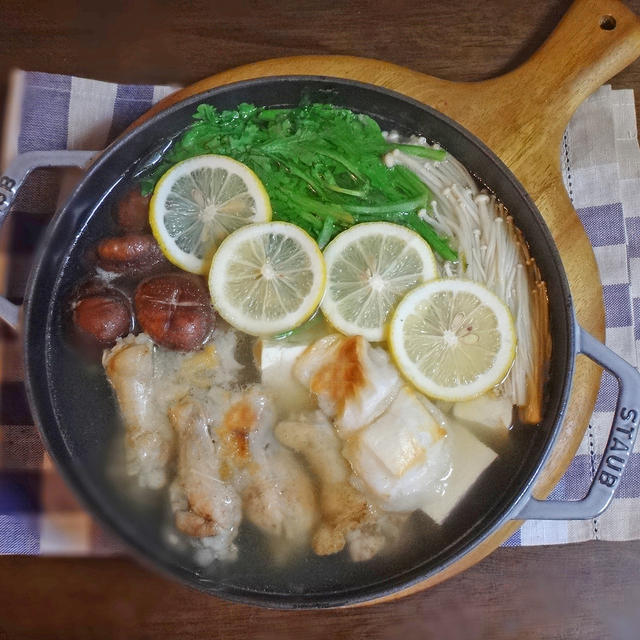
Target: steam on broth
x,y
384,395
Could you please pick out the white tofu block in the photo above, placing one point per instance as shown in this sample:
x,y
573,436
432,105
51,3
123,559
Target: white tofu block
x,y
469,458
489,414
275,360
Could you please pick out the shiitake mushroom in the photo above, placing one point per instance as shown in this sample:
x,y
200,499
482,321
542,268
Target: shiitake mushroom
x,y
175,311
104,317
100,314
134,254
132,212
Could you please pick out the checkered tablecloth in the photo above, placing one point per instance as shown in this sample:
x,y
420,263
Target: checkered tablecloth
x,y
601,166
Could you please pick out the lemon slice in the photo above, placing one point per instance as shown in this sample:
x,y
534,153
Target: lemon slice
x,y
267,278
369,268
199,202
454,339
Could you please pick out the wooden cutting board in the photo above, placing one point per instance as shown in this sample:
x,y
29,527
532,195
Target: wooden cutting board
x,y
521,116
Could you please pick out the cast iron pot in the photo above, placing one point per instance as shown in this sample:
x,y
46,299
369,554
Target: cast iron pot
x,y
77,415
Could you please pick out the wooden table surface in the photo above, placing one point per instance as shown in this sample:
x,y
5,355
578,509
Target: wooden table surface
x,y
585,591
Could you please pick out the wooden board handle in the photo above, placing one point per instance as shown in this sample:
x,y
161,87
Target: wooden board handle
x,y
594,40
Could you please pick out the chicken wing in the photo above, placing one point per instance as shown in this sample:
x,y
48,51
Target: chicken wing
x,y
353,381
205,506
149,438
278,495
346,515
372,537
280,500
147,379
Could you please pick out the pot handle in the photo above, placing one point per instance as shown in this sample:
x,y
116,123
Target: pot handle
x,y
621,438
10,182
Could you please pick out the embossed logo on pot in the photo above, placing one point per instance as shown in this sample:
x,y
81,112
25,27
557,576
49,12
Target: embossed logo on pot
x,y
615,462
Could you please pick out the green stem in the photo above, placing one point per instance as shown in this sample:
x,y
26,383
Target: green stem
x,y
393,207
348,192
327,231
420,151
303,176
411,180
336,211
438,244
353,170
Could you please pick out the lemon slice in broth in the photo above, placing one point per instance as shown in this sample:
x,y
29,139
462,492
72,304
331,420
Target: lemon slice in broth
x,y
453,339
199,202
266,279
370,267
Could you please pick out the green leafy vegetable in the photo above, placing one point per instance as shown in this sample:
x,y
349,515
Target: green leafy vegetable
x,y
321,166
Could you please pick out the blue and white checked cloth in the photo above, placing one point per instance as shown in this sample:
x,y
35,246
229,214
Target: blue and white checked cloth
x,y
601,165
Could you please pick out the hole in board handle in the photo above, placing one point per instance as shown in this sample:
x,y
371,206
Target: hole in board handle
x,y
607,23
